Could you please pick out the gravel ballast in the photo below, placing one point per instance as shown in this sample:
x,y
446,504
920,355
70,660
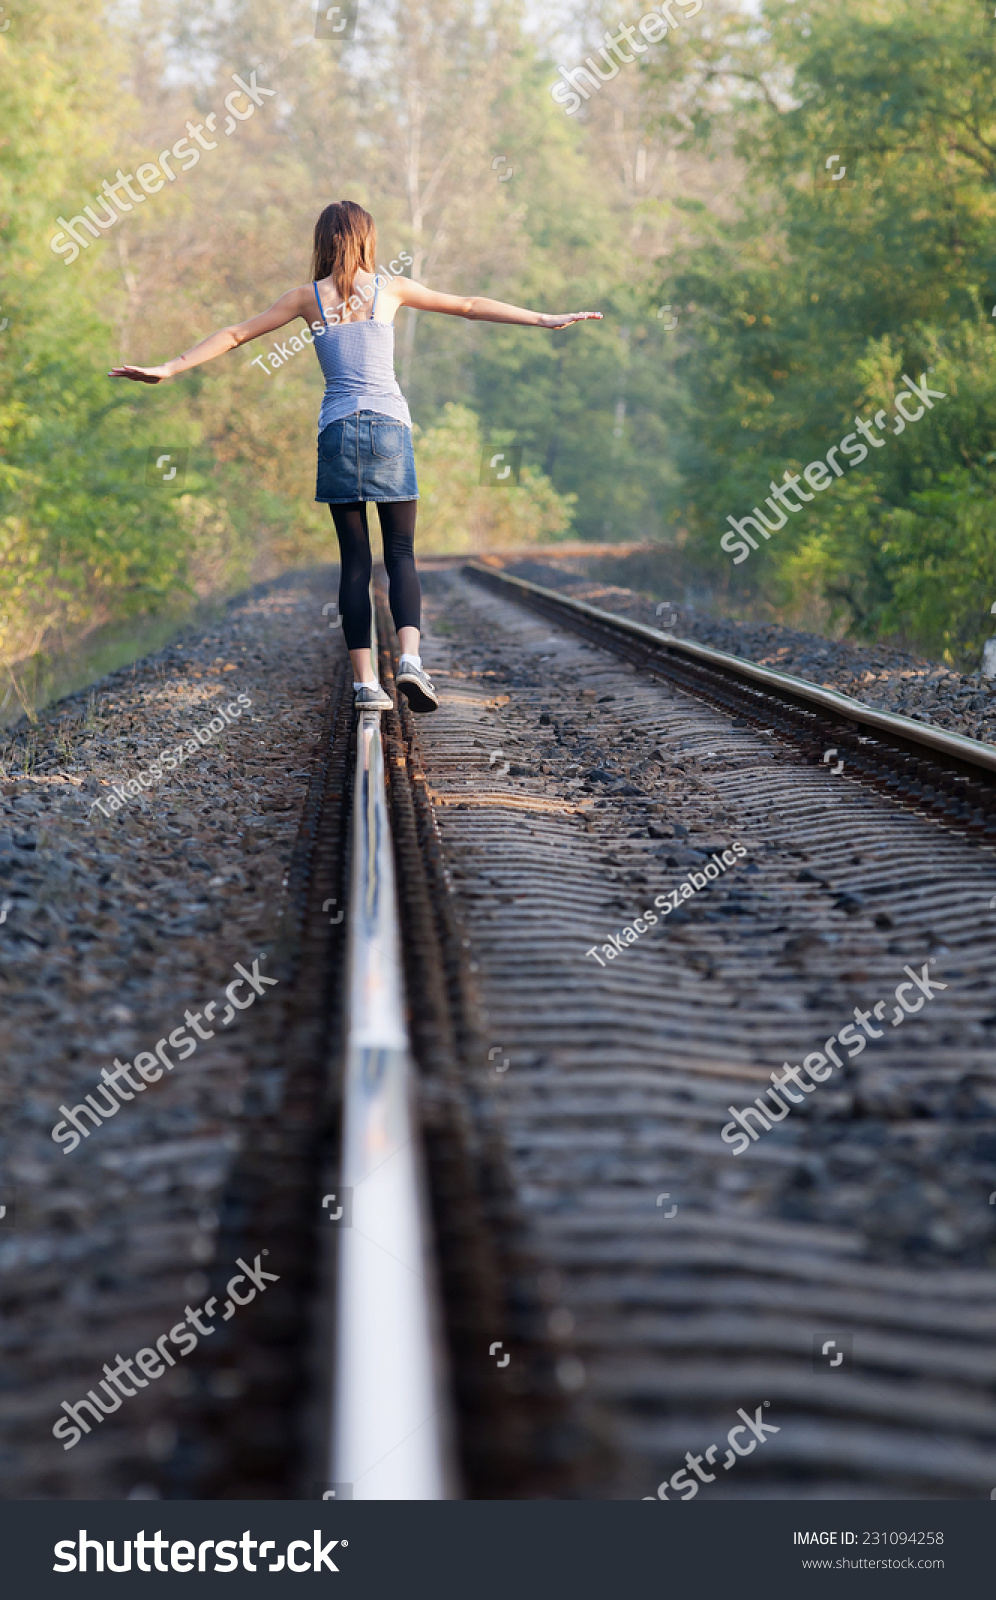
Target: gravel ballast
x,y
113,928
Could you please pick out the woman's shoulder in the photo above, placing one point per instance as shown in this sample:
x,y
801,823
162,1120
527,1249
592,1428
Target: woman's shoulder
x,y
300,301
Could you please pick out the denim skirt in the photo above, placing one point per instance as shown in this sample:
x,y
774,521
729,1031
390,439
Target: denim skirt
x,y
365,456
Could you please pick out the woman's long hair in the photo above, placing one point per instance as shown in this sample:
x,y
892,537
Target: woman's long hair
x,y
345,240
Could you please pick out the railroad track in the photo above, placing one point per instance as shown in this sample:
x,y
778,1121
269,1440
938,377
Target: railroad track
x,y
420,1404
939,773
389,1418
551,1277
645,1283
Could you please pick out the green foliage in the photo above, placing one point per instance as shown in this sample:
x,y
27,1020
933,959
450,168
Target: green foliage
x,y
808,305
688,181
85,540
459,515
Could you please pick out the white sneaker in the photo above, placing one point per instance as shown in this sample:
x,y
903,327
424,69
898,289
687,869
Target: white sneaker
x,y
371,697
417,688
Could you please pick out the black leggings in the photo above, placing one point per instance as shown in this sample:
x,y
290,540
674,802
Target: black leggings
x,y
397,526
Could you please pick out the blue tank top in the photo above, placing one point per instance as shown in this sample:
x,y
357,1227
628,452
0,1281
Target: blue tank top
x,y
357,359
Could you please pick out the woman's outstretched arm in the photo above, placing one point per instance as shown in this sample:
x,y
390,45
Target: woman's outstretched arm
x,y
479,309
293,304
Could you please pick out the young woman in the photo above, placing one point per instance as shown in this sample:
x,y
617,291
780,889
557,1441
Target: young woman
x,y
364,428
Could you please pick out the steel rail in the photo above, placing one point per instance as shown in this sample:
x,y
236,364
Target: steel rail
x,y
955,746
390,1412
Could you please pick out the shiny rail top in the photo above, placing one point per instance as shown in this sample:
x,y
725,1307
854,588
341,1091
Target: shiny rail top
x,y
390,1424
953,745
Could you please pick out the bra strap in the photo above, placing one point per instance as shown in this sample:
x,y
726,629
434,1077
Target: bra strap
x,y
322,313
373,308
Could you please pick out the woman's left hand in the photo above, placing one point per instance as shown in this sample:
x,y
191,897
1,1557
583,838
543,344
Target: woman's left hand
x,y
140,374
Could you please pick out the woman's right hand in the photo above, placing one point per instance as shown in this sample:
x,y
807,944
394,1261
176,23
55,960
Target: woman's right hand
x,y
563,319
141,374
